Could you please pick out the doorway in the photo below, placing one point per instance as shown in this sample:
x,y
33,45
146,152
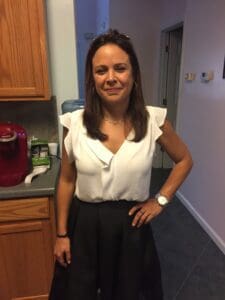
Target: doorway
x,y
170,62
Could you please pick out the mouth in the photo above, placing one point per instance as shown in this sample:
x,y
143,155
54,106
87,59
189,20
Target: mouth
x,y
113,90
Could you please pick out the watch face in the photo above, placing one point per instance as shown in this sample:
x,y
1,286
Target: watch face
x,y
162,200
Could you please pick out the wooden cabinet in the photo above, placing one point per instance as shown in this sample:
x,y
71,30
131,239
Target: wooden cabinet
x,y
27,233
23,58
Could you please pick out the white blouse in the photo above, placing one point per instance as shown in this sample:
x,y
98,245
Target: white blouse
x,y
103,175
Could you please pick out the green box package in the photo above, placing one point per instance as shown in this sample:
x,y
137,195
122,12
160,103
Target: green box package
x,y
40,153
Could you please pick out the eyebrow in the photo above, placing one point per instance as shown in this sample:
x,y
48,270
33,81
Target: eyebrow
x,y
117,65
99,66
121,64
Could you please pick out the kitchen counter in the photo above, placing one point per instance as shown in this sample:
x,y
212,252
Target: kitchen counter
x,y
41,185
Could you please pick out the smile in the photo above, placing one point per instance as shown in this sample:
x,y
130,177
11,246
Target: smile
x,y
113,90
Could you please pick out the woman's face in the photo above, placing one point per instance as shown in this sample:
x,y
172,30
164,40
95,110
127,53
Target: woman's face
x,y
112,73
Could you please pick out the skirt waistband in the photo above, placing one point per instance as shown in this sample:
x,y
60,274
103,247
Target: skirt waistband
x,y
109,203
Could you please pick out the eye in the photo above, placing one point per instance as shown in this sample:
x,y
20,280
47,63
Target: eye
x,y
120,68
100,71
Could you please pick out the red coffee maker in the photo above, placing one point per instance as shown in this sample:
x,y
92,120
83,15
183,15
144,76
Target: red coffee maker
x,y
13,154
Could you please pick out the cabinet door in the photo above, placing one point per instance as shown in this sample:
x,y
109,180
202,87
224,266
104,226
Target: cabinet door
x,y
23,59
26,260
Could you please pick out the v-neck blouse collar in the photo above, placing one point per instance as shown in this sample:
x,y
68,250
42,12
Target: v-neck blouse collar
x,y
101,151
74,121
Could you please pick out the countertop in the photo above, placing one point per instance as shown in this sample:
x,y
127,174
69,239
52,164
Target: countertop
x,y
41,185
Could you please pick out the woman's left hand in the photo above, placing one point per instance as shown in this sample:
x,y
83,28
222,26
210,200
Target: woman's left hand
x,y
145,212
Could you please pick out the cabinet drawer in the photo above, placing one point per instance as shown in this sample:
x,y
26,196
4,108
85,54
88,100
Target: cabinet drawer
x,y
24,209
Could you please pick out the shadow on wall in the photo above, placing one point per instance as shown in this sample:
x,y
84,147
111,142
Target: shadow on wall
x,y
39,118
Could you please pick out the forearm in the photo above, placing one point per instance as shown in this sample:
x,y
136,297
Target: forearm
x,y
65,192
176,177
179,153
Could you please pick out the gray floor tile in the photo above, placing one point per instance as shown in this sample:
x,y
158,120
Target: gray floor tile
x,y
207,280
193,268
179,240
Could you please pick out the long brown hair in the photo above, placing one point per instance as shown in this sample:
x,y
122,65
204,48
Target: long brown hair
x,y
93,111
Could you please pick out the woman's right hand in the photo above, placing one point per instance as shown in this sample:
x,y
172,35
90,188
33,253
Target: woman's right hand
x,y
62,251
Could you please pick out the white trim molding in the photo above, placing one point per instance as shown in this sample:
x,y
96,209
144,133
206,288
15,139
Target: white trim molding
x,y
210,231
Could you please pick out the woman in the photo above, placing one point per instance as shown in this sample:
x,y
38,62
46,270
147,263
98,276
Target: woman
x,y
103,240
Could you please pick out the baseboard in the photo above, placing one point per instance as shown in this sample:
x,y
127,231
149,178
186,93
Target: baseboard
x,y
210,231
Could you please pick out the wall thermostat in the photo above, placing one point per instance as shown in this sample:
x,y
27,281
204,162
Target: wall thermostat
x,y
207,76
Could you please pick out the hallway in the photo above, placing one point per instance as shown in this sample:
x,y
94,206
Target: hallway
x,y
193,267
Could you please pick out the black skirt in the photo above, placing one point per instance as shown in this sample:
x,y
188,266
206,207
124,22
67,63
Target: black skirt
x,y
108,255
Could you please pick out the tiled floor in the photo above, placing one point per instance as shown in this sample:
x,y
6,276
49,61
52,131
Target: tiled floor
x,y
193,268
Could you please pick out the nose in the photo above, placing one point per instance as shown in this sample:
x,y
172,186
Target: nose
x,y
111,78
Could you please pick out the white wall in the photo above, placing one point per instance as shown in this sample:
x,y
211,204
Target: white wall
x,y
140,20
201,114
62,51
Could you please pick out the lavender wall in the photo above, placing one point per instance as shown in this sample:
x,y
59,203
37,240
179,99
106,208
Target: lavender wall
x,y
86,28
201,114
140,20
172,12
200,120
102,20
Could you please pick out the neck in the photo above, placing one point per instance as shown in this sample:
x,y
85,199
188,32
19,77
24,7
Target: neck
x,y
115,113
115,121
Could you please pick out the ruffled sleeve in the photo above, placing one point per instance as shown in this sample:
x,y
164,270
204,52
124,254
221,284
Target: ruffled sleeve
x,y
71,121
65,120
157,119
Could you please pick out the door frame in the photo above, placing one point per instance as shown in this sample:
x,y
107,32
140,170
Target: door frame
x,y
162,159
